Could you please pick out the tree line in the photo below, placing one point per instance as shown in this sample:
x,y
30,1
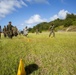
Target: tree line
x,y
70,20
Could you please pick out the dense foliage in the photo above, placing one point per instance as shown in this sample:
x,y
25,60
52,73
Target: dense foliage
x,y
59,23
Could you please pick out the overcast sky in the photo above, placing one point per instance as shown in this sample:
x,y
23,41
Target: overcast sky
x,y
31,12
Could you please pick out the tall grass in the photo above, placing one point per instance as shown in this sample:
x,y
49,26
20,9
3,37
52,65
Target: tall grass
x,y
54,56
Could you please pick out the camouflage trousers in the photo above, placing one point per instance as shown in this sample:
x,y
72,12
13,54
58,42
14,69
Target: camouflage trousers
x,y
52,32
5,34
10,34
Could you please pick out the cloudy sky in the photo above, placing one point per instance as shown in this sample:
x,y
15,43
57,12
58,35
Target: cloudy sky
x,y
31,12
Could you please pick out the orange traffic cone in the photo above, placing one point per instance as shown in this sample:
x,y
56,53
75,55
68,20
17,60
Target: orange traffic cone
x,y
21,70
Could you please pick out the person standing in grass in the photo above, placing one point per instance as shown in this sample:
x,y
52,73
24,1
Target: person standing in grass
x,y
52,27
9,29
0,32
15,31
5,31
25,31
37,31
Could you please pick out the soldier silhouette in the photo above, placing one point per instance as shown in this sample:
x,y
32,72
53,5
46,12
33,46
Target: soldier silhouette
x,y
37,31
52,30
9,29
5,31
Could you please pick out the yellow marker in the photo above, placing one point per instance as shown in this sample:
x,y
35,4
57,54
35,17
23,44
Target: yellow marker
x,y
21,70
28,40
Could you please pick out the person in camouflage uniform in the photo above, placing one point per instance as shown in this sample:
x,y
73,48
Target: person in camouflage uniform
x,y
5,31
15,31
9,30
37,31
0,32
52,30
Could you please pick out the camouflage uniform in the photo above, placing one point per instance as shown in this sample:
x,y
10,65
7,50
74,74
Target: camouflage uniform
x,y
5,31
37,31
0,31
10,31
15,31
52,30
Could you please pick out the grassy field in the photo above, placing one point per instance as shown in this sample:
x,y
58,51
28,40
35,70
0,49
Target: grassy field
x,y
42,55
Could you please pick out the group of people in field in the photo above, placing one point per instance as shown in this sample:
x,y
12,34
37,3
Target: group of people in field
x,y
10,30
51,29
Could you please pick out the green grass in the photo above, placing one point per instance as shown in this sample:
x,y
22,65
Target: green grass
x,y
54,56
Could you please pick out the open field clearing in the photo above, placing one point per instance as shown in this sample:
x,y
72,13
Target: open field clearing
x,y
46,55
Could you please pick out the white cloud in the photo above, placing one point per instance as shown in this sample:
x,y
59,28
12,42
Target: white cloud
x,y
7,6
54,17
61,14
35,19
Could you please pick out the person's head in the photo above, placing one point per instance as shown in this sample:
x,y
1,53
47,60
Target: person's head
x,y
10,22
4,26
26,27
52,24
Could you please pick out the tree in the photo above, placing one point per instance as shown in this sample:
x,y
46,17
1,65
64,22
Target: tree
x,y
68,22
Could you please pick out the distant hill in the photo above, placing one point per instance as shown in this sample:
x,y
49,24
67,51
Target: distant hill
x,y
60,24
